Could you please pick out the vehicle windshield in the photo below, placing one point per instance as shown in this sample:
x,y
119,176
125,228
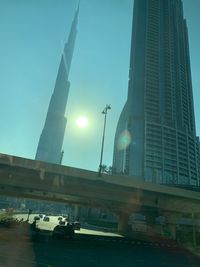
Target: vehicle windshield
x,y
100,150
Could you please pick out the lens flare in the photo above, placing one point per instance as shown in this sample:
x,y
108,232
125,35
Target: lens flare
x,y
124,140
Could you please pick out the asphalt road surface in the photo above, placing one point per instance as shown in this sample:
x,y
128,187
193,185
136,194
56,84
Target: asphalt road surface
x,y
96,252
86,250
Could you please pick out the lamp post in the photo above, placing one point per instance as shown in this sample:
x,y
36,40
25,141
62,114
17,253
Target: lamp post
x,y
29,212
103,137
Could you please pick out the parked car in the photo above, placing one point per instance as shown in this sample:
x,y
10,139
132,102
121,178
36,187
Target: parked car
x,y
63,231
61,222
76,225
36,218
46,219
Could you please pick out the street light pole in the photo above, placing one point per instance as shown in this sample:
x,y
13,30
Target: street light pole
x,y
103,137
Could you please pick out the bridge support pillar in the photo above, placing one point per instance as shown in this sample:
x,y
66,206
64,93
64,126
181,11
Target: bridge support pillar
x,y
123,226
150,217
172,230
171,221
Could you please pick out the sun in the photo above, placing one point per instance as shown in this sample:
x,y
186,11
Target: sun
x,y
82,122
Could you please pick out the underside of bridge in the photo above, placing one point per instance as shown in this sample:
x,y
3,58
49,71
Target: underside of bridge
x,y
120,195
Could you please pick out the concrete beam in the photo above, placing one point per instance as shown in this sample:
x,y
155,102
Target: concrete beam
x,y
123,227
36,178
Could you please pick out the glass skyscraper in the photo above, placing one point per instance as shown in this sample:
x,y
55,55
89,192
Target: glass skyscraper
x,y
51,140
156,138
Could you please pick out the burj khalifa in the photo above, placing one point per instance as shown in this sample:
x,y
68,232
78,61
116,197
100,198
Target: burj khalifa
x,y
51,139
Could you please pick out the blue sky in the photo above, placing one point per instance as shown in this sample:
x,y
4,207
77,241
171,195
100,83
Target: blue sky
x,y
32,36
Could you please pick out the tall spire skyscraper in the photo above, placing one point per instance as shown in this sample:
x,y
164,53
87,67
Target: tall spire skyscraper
x,y
51,140
156,137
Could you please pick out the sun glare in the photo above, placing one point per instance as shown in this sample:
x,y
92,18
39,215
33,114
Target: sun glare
x,y
82,122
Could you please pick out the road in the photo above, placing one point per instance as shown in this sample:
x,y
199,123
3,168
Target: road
x,y
92,250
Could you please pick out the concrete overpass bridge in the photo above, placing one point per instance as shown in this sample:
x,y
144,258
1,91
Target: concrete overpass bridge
x,y
123,195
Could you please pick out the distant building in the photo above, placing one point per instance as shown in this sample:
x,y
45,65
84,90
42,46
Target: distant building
x,y
156,137
51,140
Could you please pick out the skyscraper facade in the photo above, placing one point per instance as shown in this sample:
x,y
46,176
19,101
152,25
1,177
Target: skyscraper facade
x,y
156,138
51,140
